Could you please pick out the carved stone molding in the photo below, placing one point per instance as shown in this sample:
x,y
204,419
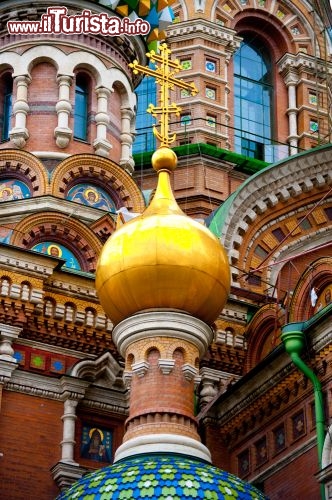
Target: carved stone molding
x,y
65,475
166,365
140,368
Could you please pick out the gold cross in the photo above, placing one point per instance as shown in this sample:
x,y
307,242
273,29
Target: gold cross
x,y
164,75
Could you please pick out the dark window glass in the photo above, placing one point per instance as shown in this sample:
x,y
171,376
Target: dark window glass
x,y
328,212
261,451
261,252
304,223
244,463
146,95
252,100
298,424
279,438
254,279
278,233
7,107
81,108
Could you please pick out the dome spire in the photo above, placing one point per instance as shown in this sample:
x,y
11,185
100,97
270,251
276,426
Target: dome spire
x,y
162,278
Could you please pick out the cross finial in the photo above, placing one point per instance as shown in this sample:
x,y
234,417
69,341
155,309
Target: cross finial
x,y
164,75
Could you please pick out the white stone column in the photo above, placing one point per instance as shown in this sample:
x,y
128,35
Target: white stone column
x,y
8,364
73,392
292,116
126,161
19,134
68,439
101,144
63,107
291,79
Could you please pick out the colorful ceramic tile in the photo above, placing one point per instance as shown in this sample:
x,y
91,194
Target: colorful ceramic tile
x,y
184,93
312,98
164,476
57,365
186,64
295,30
38,361
210,66
211,121
280,14
185,120
20,357
313,126
210,93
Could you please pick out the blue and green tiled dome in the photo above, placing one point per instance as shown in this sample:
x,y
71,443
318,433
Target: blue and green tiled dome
x,y
161,476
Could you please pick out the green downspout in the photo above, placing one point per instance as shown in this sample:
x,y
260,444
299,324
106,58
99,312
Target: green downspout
x,y
293,338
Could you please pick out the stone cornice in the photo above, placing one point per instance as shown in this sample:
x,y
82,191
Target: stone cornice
x,y
303,62
162,324
19,209
201,27
111,399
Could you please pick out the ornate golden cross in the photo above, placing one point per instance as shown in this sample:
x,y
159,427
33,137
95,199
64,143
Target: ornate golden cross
x,y
164,75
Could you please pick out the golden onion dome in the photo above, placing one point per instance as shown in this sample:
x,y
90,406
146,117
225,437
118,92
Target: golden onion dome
x,y
163,259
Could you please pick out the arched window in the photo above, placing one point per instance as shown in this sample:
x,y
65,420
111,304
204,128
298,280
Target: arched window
x,y
146,94
252,100
81,108
7,106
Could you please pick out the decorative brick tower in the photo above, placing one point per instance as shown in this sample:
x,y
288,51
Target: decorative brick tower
x,y
163,279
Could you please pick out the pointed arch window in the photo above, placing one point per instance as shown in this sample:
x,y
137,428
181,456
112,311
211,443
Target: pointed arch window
x,y
253,92
81,107
7,106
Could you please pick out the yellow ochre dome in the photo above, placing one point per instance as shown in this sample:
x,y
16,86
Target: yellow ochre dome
x,y
163,259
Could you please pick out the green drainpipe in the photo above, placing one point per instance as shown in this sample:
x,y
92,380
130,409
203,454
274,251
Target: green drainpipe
x,y
293,338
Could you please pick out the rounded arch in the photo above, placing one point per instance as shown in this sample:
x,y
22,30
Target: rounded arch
x,y
105,172
130,360
327,449
120,81
179,353
318,275
152,355
263,334
25,167
14,59
82,60
37,54
267,29
181,7
79,239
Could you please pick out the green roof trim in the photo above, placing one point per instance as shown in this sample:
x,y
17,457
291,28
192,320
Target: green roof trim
x,y
243,163
222,213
